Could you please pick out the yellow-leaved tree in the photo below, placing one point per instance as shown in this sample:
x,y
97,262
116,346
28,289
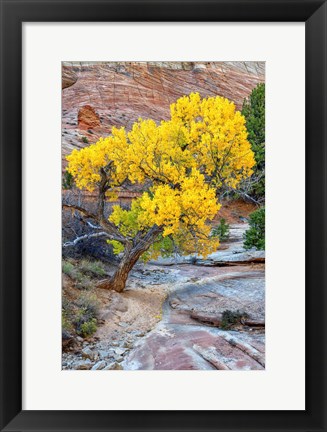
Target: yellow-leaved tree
x,y
180,164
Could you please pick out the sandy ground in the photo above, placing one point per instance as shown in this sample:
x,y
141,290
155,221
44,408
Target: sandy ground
x,y
132,310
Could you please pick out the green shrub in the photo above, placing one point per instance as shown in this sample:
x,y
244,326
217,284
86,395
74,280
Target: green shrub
x,y
83,272
72,271
66,324
221,231
92,268
255,235
230,318
85,140
84,319
67,327
67,180
88,328
84,283
67,268
89,304
80,316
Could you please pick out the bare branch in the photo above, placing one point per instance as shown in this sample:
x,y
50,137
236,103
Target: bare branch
x,y
85,237
111,230
92,226
247,197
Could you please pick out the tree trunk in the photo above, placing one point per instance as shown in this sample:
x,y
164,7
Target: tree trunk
x,y
132,253
118,280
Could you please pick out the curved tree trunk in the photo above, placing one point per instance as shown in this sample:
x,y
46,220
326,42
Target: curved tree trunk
x,y
118,280
132,253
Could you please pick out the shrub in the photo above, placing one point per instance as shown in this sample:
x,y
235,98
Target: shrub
x,y
88,302
92,268
84,283
255,235
82,272
80,316
66,324
85,140
84,318
221,231
67,268
230,318
67,327
67,180
88,328
72,271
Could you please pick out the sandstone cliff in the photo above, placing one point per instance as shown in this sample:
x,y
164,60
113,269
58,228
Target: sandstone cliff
x,y
97,96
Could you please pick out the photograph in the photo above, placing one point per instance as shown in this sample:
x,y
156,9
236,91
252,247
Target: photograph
x,y
139,200
163,215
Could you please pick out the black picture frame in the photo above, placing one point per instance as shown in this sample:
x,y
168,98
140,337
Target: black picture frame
x,y
13,14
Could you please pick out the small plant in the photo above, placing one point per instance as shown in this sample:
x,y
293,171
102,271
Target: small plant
x,y
67,180
230,318
72,271
84,283
67,327
88,328
85,316
66,324
67,267
221,231
92,268
85,140
82,272
79,317
89,304
255,235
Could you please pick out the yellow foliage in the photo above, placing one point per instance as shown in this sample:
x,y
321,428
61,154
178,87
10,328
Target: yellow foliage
x,y
117,247
182,161
85,164
189,206
215,134
154,152
127,220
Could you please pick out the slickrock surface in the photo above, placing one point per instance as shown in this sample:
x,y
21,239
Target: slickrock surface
x,y
120,93
233,254
180,342
196,348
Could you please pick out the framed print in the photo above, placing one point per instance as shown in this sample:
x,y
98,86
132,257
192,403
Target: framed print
x,y
163,215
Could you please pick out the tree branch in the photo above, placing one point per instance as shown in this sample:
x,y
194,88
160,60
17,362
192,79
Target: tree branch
x,y
111,230
85,237
81,210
